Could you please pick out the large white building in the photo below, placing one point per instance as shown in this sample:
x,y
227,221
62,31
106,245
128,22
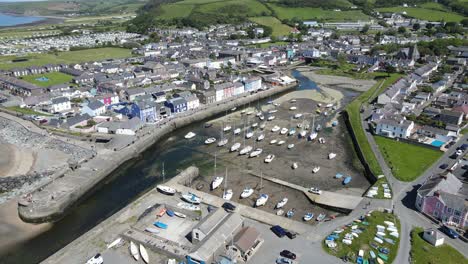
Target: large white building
x,y
60,104
394,129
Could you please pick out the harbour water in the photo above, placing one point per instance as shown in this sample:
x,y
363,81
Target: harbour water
x,y
122,187
13,20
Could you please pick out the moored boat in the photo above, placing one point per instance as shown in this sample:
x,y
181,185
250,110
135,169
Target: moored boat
x,y
245,150
347,180
210,140
254,125
134,251
247,192
165,189
281,142
181,215
269,158
144,254
227,195
283,131
237,131
316,169
256,153
216,182
261,200
223,142
275,129
261,137
290,213
273,141
191,198
114,243
294,165
235,147
320,217
190,135
290,146
308,216
282,203
331,155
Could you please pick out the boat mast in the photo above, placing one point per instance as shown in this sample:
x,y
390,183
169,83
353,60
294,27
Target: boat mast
x,y
225,182
215,165
163,174
261,180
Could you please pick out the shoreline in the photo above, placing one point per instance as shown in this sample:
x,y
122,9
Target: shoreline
x,y
69,190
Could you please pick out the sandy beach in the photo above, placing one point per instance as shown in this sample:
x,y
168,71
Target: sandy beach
x,y
337,81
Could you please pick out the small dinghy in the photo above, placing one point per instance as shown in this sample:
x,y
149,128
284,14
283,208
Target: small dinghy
x,y
270,118
294,165
170,213
160,225
316,169
338,176
281,203
227,128
331,155
308,217
347,180
290,146
114,243
290,213
280,212
269,158
152,230
281,142
227,195
144,254
274,141
181,215
190,135
134,251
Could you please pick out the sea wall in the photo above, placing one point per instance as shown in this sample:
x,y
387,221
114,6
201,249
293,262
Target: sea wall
x,y
43,210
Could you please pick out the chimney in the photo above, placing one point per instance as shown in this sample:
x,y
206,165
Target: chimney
x,y
436,194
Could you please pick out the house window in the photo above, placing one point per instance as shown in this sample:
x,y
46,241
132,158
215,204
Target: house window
x,y
436,213
457,213
449,210
437,205
197,236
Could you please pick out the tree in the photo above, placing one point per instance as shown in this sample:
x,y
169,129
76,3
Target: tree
x,y
401,30
464,22
416,26
365,29
429,25
390,69
377,37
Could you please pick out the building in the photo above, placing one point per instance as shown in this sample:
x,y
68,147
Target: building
x,y
19,87
94,108
252,84
108,99
433,237
451,117
394,129
212,234
442,197
177,105
246,243
60,104
207,97
145,110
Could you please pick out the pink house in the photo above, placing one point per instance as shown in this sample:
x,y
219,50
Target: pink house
x,y
441,197
108,99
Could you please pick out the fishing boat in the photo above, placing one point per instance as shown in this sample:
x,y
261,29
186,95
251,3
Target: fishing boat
x,y
160,225
261,200
188,206
190,135
318,128
216,182
210,140
237,131
152,230
269,158
223,142
297,116
114,243
134,251
181,215
235,147
292,131
282,203
280,212
281,142
192,198
261,137
227,195
290,213
320,217
347,180
303,134
165,189
227,128
308,216
246,192
331,155
270,118
294,165
316,169
273,141
292,108
313,136
170,213
249,135
321,140
338,176
284,131
290,146
245,150
275,129
262,126
144,254
256,153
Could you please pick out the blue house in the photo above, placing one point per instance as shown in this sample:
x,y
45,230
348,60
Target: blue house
x,y
145,110
177,104
252,84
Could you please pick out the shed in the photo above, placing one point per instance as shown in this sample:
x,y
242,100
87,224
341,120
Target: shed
x,y
434,237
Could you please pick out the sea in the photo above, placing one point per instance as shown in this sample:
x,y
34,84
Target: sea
x,y
12,20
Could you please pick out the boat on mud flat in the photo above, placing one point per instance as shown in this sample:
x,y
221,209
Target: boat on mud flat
x,y
308,216
320,217
246,192
190,135
331,155
284,131
134,251
256,153
227,195
227,128
210,140
294,165
269,158
275,129
223,142
237,131
216,182
245,150
347,180
261,137
160,225
316,169
282,203
235,147
290,213
261,200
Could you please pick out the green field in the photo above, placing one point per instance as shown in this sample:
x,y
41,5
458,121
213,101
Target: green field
x,y
54,78
279,29
26,111
252,7
407,161
424,253
267,45
65,57
305,13
171,11
365,238
432,12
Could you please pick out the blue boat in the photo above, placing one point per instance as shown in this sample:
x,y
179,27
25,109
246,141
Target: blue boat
x,y
338,176
170,213
359,260
335,123
347,180
160,225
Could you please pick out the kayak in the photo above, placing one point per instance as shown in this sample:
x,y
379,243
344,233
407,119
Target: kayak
x,y
160,225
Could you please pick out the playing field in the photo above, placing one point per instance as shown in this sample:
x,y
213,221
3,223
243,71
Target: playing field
x,y
48,79
279,29
429,11
305,13
68,57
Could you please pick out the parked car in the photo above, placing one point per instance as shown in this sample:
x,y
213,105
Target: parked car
x,y
444,166
291,234
288,254
278,230
96,259
459,152
315,190
464,147
283,261
449,232
229,207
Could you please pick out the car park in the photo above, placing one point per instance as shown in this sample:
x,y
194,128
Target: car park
x,y
278,230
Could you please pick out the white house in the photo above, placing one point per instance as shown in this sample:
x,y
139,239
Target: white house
x,y
394,129
60,104
238,88
192,102
433,237
94,108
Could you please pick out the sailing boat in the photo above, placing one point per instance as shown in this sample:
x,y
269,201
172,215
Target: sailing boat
x,y
163,188
227,195
246,149
313,135
223,140
261,200
246,192
281,203
217,180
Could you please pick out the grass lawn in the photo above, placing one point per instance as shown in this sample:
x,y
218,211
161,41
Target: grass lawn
x,y
279,29
65,57
407,161
432,13
26,111
366,238
267,45
54,78
171,11
305,13
424,253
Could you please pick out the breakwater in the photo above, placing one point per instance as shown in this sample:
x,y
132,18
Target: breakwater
x,y
51,202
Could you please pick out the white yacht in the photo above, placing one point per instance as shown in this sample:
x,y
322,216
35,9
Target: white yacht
x,y
216,182
284,131
321,140
292,108
223,142
254,125
270,118
245,150
190,135
281,142
261,200
313,136
290,146
294,165
256,153
235,147
247,192
261,137
272,111
165,189
269,158
227,128
191,198
227,195
210,140
297,116
303,133
281,203
275,129
262,125
134,251
273,141
249,134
